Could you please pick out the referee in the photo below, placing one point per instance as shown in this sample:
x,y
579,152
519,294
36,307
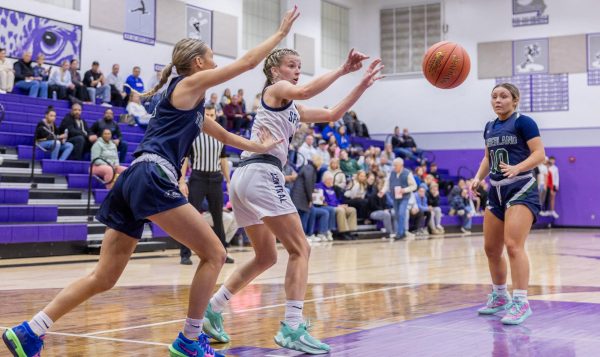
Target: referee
x,y
209,166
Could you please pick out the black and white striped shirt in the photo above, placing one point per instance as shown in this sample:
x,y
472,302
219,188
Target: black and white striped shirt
x,y
206,153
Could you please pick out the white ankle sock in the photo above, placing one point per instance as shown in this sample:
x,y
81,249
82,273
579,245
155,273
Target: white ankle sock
x,y
499,289
293,313
192,328
40,323
520,294
220,299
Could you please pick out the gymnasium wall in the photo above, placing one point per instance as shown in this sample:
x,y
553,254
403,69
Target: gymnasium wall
x,y
109,47
424,109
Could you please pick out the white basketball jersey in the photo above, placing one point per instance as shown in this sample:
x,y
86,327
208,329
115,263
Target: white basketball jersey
x,y
281,122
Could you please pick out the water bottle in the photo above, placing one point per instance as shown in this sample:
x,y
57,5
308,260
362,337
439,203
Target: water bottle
x,y
66,134
54,95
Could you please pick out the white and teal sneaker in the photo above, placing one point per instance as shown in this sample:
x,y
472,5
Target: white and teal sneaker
x,y
517,312
496,302
213,325
300,340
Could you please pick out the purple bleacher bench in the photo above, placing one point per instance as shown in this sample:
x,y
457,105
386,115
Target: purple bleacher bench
x,y
65,167
81,181
56,232
14,139
19,213
100,195
14,195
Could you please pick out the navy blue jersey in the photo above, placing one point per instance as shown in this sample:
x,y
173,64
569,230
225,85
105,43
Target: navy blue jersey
x,y
171,131
506,141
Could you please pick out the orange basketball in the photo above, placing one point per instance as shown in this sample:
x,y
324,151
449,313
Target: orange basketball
x,y
446,65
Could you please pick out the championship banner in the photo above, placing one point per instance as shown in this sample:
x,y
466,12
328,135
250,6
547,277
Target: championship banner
x,y
593,59
140,21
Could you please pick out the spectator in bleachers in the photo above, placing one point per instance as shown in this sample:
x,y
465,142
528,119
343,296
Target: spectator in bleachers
x,y
96,85
81,93
302,189
342,138
108,122
323,152
328,131
462,207
405,146
338,175
456,190
237,116
424,214
388,151
26,80
348,164
385,165
138,111
378,205
106,149
134,81
399,185
241,100
117,89
78,132
433,199
333,148
419,175
319,213
7,73
307,150
214,102
226,98
60,81
39,70
552,181
345,215
356,195
46,136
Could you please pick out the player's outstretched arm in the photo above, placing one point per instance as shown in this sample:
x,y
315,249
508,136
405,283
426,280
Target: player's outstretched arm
x,y
319,115
267,141
286,90
201,81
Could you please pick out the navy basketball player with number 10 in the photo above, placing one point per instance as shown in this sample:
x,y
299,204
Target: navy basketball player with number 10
x,y
148,190
513,149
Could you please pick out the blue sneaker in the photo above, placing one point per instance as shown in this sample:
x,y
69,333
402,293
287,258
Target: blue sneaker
x,y
184,347
517,312
22,341
496,302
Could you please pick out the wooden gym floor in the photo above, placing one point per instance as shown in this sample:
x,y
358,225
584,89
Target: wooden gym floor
x,y
415,298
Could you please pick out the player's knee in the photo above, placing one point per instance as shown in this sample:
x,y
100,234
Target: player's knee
x,y
513,247
493,252
267,260
102,282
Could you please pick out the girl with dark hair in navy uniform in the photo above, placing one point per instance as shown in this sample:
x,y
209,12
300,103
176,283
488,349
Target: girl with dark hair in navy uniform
x,y
148,191
513,149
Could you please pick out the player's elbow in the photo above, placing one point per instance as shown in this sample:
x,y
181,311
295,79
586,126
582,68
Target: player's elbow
x,y
250,62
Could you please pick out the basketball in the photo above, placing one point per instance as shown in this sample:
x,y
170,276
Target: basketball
x,y
446,65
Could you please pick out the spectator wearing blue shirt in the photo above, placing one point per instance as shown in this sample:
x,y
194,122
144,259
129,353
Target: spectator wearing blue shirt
x,y
328,131
342,138
424,211
26,80
134,81
461,205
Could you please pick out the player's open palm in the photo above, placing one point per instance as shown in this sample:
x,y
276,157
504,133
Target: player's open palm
x,y
288,20
373,73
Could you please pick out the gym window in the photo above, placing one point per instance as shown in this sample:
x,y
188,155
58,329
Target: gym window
x,y
261,18
334,35
405,35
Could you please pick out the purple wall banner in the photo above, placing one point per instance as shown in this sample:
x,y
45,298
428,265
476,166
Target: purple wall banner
x,y
529,13
57,40
140,21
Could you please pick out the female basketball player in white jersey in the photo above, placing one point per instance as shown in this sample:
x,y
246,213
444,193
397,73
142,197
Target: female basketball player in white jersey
x,y
148,190
262,205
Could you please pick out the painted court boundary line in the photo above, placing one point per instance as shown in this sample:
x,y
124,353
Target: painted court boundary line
x,y
93,334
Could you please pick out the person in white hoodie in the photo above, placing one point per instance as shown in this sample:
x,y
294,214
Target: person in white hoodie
x,y
7,73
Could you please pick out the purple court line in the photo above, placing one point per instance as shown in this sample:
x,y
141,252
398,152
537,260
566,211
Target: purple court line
x,y
555,329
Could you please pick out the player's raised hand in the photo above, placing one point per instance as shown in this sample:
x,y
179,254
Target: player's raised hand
x,y
372,73
288,20
354,61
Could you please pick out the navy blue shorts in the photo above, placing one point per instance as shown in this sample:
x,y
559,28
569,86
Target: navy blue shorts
x,y
523,192
140,191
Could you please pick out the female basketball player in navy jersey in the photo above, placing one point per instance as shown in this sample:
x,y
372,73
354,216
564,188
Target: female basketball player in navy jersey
x,y
513,149
262,205
148,190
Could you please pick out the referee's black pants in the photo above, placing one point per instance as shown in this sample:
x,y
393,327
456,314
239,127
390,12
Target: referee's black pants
x,y
207,185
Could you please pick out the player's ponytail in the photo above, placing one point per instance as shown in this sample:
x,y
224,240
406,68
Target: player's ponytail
x,y
184,53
